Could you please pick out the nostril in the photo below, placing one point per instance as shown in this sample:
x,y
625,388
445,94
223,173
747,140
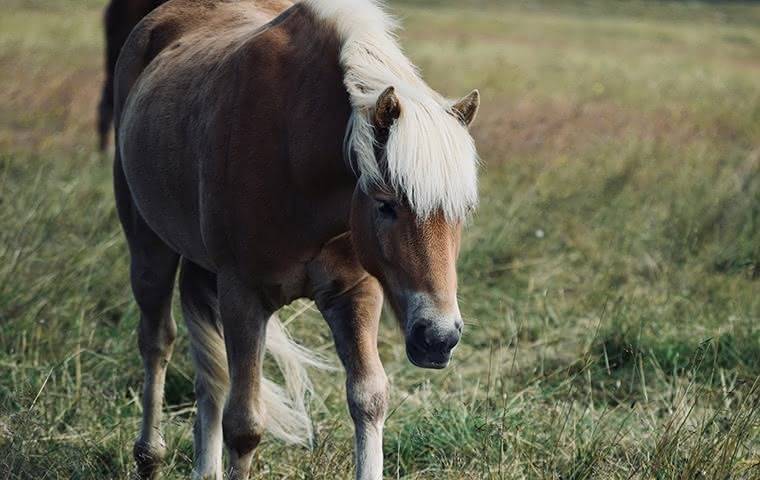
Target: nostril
x,y
444,343
459,324
453,339
418,335
430,339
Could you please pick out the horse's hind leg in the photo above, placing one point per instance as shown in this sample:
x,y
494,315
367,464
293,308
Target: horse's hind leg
x,y
200,308
152,270
152,282
243,313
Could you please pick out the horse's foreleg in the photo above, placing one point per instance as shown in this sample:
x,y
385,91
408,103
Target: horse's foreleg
x,y
350,300
244,321
366,384
353,318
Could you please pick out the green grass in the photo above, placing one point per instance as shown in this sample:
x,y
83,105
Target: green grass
x,y
609,280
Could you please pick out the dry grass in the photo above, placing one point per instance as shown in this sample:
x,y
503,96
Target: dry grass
x,y
609,280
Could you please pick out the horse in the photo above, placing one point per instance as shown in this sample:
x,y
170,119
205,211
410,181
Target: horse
x,y
271,151
119,18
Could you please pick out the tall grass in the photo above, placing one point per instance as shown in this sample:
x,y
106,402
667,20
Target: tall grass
x,y
609,281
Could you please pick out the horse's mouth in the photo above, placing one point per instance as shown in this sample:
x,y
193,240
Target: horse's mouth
x,y
422,359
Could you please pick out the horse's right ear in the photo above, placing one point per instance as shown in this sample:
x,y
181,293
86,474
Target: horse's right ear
x,y
387,108
467,108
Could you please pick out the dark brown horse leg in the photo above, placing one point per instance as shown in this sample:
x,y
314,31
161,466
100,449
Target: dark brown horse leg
x,y
198,290
152,270
119,18
105,113
351,300
114,39
244,320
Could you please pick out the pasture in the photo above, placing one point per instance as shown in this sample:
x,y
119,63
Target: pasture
x,y
610,281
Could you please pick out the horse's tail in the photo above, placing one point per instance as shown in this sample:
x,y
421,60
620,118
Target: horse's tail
x,y
287,417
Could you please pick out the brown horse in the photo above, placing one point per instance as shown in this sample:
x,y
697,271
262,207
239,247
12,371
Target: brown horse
x,y
280,151
120,18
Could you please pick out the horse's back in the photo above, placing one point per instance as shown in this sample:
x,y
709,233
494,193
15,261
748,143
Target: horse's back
x,y
202,21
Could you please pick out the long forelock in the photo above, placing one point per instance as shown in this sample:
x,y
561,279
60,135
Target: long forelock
x,y
430,156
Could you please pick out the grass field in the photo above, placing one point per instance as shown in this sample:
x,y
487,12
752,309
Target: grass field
x,y
610,281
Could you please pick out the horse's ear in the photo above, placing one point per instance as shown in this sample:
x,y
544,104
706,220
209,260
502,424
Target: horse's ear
x,y
387,108
466,109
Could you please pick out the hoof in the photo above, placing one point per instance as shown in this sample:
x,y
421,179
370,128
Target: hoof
x,y
242,432
148,458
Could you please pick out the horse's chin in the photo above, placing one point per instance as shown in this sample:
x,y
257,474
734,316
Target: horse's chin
x,y
419,358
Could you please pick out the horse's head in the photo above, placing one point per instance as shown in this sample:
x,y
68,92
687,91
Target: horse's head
x,y
413,250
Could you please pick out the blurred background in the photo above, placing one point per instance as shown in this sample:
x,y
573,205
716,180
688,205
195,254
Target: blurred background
x,y
609,281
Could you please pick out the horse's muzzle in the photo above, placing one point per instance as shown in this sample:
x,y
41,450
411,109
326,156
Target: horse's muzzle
x,y
429,345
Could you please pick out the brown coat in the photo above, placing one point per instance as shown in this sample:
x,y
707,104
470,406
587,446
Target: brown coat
x,y
246,146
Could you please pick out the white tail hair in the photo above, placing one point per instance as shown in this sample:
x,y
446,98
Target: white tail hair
x,y
287,416
430,155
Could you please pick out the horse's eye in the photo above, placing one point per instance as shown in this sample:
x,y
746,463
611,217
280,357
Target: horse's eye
x,y
386,209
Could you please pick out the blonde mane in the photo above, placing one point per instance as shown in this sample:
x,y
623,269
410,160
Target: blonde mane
x,y
430,155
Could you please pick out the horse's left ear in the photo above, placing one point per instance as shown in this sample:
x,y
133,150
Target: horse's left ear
x,y
387,108
467,108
